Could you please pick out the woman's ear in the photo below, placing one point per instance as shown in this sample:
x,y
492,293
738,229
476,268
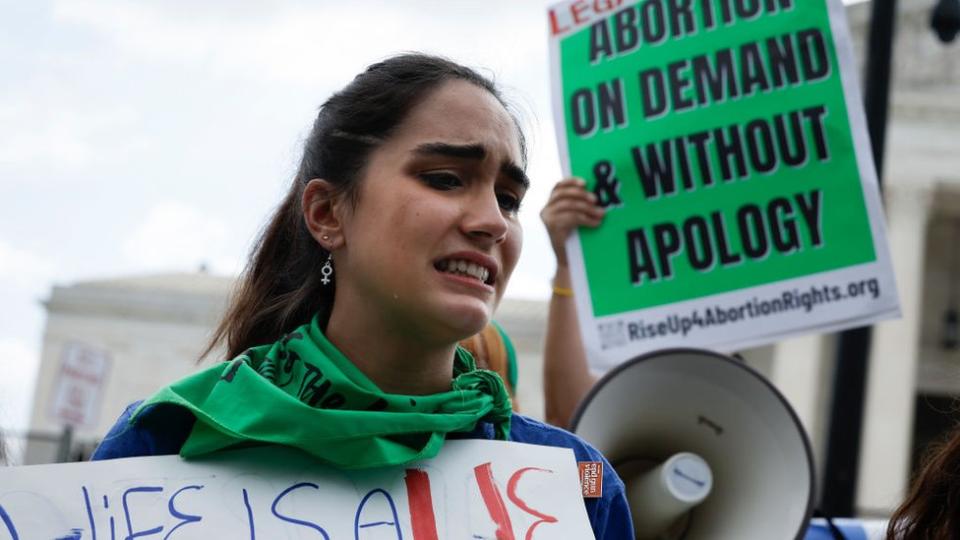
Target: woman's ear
x,y
323,213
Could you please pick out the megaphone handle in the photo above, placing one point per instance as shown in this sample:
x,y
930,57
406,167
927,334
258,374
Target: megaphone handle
x,y
834,530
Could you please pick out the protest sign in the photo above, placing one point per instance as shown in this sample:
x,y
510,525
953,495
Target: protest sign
x,y
727,142
76,395
473,489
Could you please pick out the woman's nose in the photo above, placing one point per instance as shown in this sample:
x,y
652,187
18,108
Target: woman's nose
x,y
483,218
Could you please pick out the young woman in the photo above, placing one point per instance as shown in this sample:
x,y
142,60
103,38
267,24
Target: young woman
x,y
395,241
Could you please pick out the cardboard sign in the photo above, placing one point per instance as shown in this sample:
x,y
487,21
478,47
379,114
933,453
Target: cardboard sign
x,y
727,142
473,489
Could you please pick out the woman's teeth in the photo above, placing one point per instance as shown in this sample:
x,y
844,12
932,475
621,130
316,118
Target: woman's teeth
x,y
465,268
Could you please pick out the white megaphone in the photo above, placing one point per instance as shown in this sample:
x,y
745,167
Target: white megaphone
x,y
707,447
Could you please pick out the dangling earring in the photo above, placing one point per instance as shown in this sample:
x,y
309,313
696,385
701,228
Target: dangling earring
x,y
327,269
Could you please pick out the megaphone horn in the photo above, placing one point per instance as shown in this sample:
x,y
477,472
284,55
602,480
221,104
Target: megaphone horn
x,y
708,448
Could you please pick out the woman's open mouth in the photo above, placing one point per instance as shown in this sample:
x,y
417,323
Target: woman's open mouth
x,y
466,268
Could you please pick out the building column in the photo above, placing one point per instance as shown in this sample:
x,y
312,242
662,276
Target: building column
x,y
801,371
894,355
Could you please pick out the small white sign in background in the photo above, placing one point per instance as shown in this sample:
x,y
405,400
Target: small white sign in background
x,y
82,376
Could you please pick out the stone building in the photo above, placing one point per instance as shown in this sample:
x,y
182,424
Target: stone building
x,y
151,330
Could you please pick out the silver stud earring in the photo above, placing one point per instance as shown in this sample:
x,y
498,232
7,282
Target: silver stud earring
x,y
325,237
327,270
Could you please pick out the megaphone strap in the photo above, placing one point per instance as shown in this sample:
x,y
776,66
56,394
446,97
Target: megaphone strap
x,y
834,530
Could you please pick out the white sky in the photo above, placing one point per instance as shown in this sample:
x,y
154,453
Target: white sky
x,y
153,136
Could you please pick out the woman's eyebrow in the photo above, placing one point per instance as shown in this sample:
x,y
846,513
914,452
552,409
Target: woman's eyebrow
x,y
468,151
515,172
472,152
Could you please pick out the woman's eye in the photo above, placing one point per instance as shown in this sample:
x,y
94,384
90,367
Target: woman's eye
x,y
508,202
441,180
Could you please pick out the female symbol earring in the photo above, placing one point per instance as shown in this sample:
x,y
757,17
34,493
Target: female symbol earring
x,y
327,269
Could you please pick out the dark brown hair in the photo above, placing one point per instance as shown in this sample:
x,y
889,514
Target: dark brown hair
x,y
931,510
280,287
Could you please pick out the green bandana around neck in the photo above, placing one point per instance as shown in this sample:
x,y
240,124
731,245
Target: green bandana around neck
x,y
302,392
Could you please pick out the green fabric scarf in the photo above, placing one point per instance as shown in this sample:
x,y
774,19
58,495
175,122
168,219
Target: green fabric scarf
x,y
302,392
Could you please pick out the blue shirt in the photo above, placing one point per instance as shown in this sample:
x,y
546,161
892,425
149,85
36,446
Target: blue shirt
x,y
162,429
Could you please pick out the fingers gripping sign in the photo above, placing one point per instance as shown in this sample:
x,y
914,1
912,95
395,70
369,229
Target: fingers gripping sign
x,y
570,206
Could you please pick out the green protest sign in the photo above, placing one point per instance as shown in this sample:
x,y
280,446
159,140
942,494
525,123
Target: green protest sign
x,y
726,141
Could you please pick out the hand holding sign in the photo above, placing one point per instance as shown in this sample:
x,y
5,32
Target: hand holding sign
x,y
569,206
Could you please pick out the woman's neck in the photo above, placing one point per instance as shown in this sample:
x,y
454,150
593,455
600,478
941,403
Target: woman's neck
x,y
391,359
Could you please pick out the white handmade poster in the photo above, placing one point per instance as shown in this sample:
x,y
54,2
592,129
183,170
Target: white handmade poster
x,y
473,489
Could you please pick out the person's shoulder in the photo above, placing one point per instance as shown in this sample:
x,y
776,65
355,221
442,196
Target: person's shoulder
x,y
528,430
158,430
524,429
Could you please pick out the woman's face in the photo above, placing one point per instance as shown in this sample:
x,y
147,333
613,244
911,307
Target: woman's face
x,y
434,236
